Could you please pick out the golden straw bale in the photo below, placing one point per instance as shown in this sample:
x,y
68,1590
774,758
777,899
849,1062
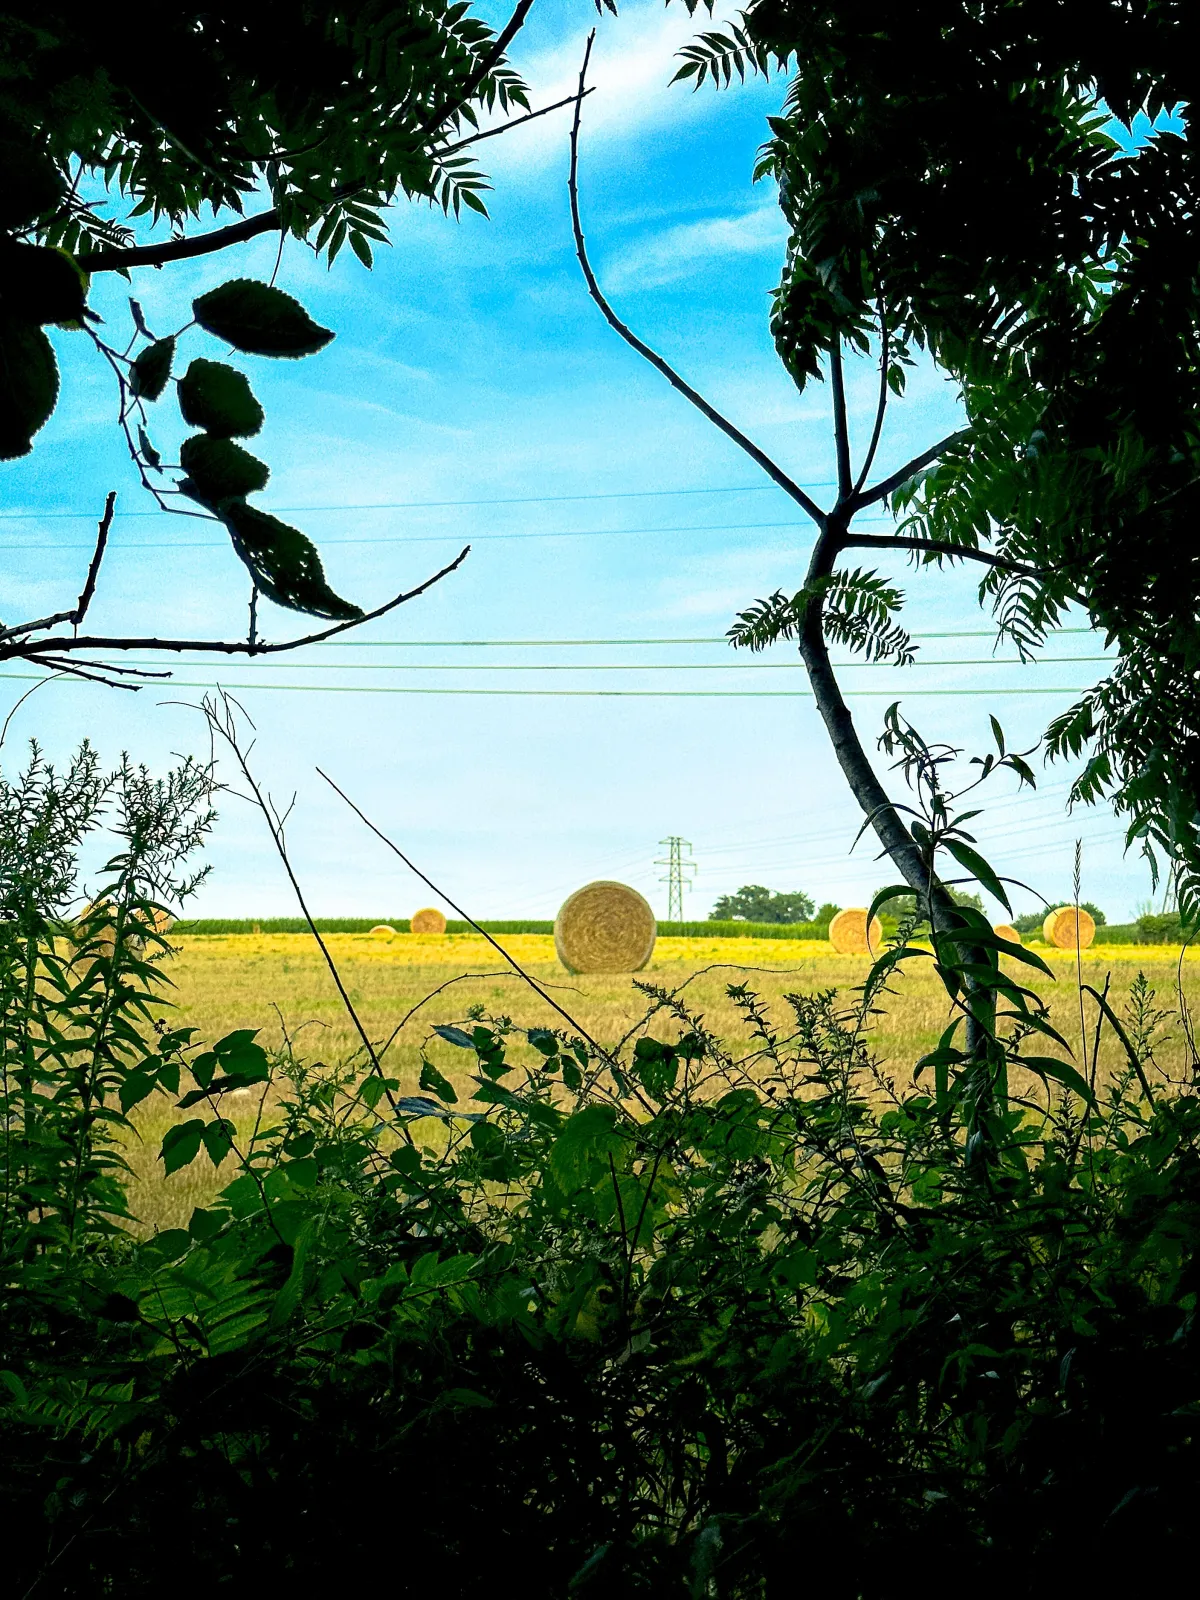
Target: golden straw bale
x,y
849,935
1006,931
428,920
1059,928
605,927
384,930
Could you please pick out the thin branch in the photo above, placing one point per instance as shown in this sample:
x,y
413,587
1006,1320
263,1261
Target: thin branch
x,y
685,389
77,614
515,122
841,425
442,895
965,552
880,491
881,406
203,244
32,649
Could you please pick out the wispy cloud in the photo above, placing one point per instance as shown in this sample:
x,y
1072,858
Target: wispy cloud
x,y
667,257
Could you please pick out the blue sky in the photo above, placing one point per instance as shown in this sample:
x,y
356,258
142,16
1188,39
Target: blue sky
x,y
474,395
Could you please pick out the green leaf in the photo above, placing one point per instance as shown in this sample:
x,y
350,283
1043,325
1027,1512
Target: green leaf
x,y
259,319
218,399
1061,1071
41,284
284,563
455,1036
151,370
543,1040
588,1135
135,1086
171,1243
978,868
28,384
149,454
218,1140
181,1145
218,469
432,1080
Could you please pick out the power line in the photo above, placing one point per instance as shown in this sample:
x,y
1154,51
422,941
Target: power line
x,y
580,694
646,666
530,644
417,505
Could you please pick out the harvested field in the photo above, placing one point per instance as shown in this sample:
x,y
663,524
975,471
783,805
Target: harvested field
x,y
232,981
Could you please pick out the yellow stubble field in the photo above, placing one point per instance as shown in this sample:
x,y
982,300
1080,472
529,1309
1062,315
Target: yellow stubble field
x,y
273,981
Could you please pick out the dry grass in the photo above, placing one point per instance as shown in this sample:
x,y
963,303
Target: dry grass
x,y
232,981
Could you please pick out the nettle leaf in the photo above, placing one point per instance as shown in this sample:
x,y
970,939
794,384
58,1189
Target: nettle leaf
x,y
260,319
28,384
218,469
40,283
217,398
284,563
151,369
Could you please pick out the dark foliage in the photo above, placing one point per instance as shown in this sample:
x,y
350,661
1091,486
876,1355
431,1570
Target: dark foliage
x,y
753,903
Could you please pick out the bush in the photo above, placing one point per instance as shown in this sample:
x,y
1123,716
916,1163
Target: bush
x,y
671,1317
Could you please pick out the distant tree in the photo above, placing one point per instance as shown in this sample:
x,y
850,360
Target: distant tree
x,y
324,114
753,903
826,912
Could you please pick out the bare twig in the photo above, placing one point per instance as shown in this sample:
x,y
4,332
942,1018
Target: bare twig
x,y
34,649
763,460
841,424
442,895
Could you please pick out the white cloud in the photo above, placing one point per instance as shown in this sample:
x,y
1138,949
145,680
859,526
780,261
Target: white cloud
x,y
632,65
673,254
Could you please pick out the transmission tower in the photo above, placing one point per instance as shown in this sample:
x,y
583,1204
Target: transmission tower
x,y
677,876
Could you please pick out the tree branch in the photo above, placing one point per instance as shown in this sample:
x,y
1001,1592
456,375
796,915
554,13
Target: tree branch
x,y
880,541
34,649
203,244
881,407
841,425
685,389
880,491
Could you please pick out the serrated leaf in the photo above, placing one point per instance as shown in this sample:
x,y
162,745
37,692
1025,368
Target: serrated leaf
x,y
151,370
260,319
28,384
218,469
149,454
218,1140
217,398
455,1036
181,1145
432,1080
284,563
41,284
135,1087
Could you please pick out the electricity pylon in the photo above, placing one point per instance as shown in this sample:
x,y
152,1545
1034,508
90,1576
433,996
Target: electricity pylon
x,y
676,877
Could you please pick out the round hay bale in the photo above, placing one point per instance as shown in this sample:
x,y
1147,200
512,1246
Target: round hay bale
x,y
1005,930
1059,928
605,927
850,936
384,930
428,920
